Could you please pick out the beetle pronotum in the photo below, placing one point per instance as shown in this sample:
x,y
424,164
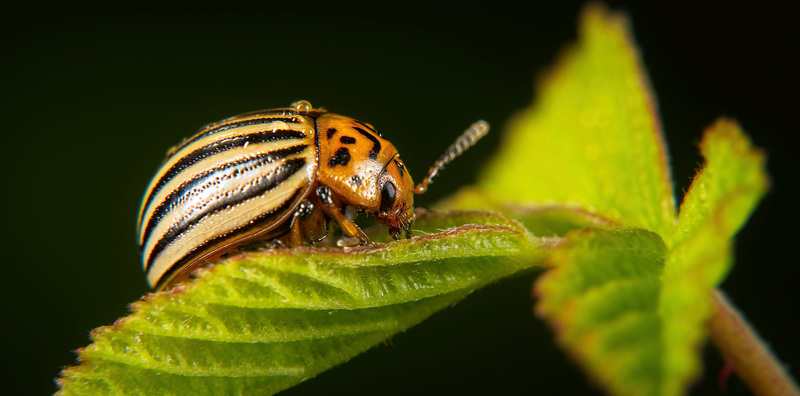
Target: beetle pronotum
x,y
279,175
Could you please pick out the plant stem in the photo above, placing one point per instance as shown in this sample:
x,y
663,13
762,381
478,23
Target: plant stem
x,y
742,348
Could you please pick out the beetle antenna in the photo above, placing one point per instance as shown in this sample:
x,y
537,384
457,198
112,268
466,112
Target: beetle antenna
x,y
465,141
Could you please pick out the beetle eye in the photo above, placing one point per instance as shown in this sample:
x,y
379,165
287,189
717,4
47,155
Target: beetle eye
x,y
388,195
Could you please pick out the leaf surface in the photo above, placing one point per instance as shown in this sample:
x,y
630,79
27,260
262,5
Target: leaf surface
x,y
602,301
262,322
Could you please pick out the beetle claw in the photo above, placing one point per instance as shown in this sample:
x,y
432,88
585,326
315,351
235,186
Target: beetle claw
x,y
350,241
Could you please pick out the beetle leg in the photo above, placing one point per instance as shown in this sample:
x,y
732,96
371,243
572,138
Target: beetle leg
x,y
330,205
295,229
313,223
295,234
309,221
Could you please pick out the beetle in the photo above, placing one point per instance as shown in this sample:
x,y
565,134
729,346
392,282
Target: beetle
x,y
280,175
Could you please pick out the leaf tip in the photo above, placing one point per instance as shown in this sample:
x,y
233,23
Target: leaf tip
x,y
728,131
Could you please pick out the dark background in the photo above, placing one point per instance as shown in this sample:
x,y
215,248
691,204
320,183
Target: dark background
x,y
93,97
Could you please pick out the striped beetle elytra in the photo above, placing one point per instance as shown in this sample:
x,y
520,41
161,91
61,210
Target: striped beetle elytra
x,y
278,175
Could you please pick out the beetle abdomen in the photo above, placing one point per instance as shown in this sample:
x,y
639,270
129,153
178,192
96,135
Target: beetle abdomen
x,y
234,181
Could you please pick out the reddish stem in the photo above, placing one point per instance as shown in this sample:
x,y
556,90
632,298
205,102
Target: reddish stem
x,y
743,350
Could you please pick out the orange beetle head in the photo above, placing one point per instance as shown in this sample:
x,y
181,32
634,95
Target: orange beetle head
x,y
396,208
365,171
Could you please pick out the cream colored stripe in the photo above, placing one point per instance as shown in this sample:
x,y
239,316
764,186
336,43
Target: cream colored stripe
x,y
199,200
306,127
223,185
216,160
225,221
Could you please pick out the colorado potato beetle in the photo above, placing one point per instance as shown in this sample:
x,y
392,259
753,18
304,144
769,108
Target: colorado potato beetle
x,y
280,175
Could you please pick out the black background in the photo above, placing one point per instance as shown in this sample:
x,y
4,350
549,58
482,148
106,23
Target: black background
x,y
92,98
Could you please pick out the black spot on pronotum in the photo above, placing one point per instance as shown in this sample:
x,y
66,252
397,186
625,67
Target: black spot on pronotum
x,y
342,157
368,127
376,145
357,180
330,132
388,195
347,140
400,167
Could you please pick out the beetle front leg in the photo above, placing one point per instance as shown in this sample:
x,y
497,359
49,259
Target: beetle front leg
x,y
332,207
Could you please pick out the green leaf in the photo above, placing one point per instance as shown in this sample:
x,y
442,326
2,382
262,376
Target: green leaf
x,y
553,220
722,196
262,322
593,139
602,299
728,187
632,311
630,290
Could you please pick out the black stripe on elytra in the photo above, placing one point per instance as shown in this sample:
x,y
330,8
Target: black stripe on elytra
x,y
376,145
347,140
171,200
217,147
257,222
342,157
259,187
235,124
260,113
330,132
